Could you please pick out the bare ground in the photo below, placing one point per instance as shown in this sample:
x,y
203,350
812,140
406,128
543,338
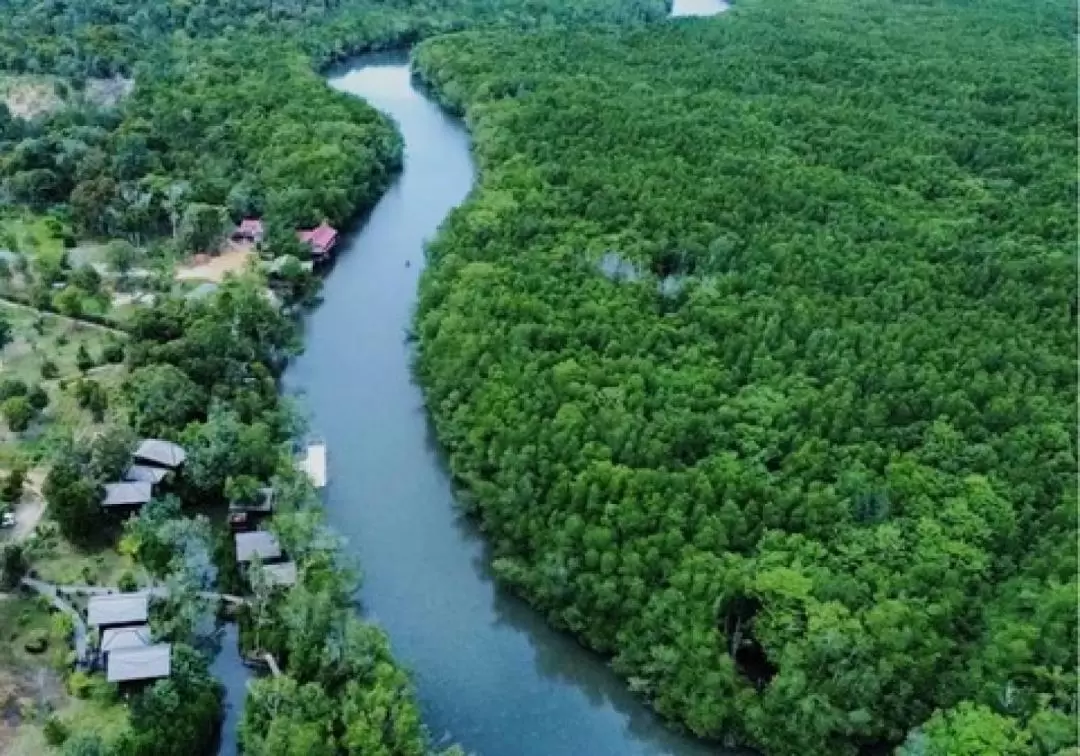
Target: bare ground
x,y
233,260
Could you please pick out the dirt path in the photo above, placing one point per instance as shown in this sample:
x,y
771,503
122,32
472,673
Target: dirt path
x,y
31,507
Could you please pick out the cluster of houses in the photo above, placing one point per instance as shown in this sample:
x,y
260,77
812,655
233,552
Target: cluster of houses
x,y
155,461
126,649
322,240
152,463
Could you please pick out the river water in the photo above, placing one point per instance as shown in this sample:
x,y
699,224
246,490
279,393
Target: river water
x,y
489,672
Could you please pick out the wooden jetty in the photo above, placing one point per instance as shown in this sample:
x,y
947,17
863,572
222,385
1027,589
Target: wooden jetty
x,y
314,464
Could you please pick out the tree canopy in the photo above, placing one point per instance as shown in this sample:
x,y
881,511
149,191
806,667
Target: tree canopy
x,y
755,354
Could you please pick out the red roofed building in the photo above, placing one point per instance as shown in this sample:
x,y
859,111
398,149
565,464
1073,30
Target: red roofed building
x,y
322,241
250,229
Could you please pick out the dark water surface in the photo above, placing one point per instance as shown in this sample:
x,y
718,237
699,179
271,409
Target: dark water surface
x,y
489,672
229,668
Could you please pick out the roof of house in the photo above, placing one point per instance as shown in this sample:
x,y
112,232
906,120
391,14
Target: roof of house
x,y
116,638
118,609
159,452
257,543
127,493
281,574
145,474
321,237
145,663
250,227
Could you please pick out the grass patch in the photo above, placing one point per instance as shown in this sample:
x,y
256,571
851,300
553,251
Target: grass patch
x,y
58,561
41,336
23,620
33,235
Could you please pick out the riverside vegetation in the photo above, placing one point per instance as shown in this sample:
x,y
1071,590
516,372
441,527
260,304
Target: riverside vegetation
x,y
755,355
753,352
227,118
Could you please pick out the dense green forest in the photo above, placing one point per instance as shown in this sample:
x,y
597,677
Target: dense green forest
x,y
755,354
107,37
224,124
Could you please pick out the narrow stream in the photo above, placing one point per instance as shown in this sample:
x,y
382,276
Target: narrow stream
x,y
228,667
490,673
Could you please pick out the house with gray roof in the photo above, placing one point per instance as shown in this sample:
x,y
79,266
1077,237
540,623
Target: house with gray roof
x,y
135,664
145,474
160,453
118,638
281,574
261,544
118,610
127,494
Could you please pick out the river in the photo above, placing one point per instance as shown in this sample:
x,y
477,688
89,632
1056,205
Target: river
x,y
489,672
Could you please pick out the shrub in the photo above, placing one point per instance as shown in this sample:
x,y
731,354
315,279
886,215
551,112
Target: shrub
x,y
18,413
38,398
49,370
10,387
37,642
12,489
55,731
113,352
127,582
83,360
80,684
62,625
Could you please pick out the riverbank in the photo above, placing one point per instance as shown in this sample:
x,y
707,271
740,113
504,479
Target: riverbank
x,y
488,672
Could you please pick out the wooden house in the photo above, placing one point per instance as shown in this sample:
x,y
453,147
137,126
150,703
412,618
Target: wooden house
x,y
322,240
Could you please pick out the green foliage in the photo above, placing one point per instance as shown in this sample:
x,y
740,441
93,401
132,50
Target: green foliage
x,y
968,730
37,397
79,683
49,370
86,744
91,396
13,564
6,332
74,498
69,301
109,35
10,387
83,360
55,732
224,448
12,490
756,352
127,582
353,700
162,398
242,109
17,412
113,352
178,715
202,227
121,255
